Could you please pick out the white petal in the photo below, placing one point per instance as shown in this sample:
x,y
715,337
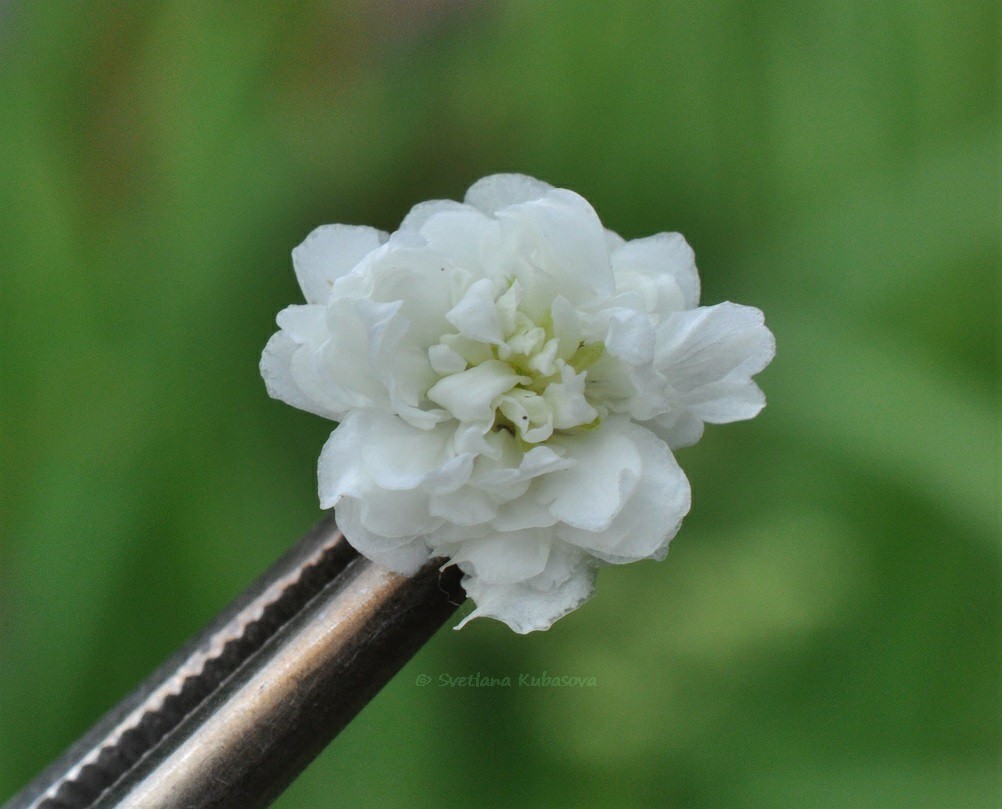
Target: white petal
x,y
561,237
505,558
535,604
276,369
471,239
402,555
678,429
402,367
423,211
363,457
667,253
340,367
444,360
658,295
613,240
529,412
707,344
305,324
402,514
566,326
340,470
591,493
521,513
728,400
466,506
476,314
500,190
708,356
469,396
450,476
423,280
630,337
567,401
502,472
653,513
399,456
483,442
537,461
329,252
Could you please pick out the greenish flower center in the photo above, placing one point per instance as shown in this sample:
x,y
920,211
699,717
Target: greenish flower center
x,y
532,380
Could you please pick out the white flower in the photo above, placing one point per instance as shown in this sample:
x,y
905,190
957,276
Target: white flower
x,y
510,380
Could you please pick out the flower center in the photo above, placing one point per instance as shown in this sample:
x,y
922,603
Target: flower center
x,y
520,376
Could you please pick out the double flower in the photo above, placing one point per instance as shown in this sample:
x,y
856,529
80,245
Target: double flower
x,y
510,379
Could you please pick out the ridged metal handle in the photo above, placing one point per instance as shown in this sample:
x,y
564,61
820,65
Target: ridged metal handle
x,y
237,713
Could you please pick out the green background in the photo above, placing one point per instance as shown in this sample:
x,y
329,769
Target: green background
x,y
824,630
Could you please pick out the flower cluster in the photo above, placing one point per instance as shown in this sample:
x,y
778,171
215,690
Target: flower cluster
x,y
510,380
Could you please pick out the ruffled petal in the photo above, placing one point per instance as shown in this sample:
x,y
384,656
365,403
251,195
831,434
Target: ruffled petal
x,y
678,429
505,558
500,190
589,494
329,252
304,324
468,506
476,315
563,243
386,525
403,555
469,396
613,240
630,337
567,581
662,254
566,399
470,239
423,211
653,513
402,368
276,370
537,461
728,400
518,514
708,355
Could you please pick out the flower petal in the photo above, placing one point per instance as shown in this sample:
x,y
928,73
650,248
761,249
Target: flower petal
x,y
630,337
505,558
402,555
708,356
467,506
329,252
469,395
566,399
469,238
423,211
305,324
564,585
663,253
401,367
653,513
500,190
276,370
564,242
591,493
476,314
678,429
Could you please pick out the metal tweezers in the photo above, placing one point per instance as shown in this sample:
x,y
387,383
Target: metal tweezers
x,y
237,713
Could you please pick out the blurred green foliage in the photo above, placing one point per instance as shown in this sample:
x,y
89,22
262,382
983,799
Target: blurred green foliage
x,y
824,631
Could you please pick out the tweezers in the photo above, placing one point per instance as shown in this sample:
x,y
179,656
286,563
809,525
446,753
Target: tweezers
x,y
238,712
